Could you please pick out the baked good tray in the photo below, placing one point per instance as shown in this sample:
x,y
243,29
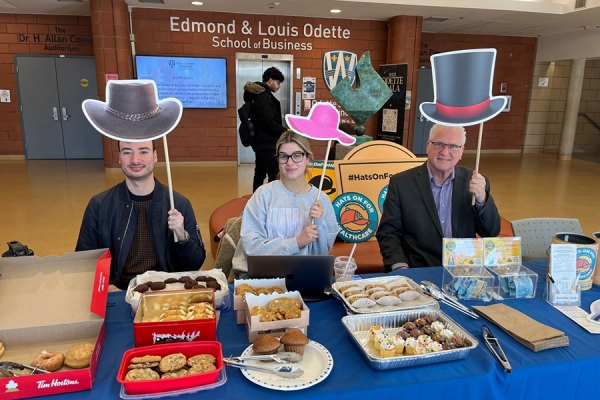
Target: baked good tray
x,y
358,327
421,301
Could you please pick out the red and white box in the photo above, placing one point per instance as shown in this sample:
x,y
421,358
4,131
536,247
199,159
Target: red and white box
x,y
256,329
51,304
155,303
152,387
239,305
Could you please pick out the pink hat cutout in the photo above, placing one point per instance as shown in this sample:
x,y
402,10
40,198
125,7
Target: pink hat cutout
x,y
321,124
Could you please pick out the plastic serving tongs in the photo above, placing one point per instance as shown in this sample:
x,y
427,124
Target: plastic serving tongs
x,y
497,352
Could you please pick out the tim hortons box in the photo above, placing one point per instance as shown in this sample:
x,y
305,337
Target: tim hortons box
x,y
256,328
264,286
51,304
152,323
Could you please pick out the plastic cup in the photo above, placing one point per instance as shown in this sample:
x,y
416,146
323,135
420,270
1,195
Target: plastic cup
x,y
343,270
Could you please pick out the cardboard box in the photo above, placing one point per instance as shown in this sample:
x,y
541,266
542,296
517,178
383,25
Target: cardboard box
x,y
52,304
256,329
150,333
239,305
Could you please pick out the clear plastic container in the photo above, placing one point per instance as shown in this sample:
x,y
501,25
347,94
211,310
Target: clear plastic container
x,y
515,281
468,283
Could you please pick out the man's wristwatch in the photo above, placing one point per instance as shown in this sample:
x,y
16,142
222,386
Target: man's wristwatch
x,y
184,239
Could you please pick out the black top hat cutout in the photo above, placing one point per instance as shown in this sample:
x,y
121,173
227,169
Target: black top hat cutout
x,y
462,87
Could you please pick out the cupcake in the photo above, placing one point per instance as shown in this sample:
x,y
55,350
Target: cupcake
x,y
387,348
437,326
266,345
399,342
420,322
294,340
434,347
373,332
446,333
380,337
409,346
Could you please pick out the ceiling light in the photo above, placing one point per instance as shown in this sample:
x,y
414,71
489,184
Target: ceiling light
x,y
197,3
335,11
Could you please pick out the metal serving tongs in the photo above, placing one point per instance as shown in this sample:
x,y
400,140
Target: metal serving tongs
x,y
432,290
283,357
490,341
9,368
283,371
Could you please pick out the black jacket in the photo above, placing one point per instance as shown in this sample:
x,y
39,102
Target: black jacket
x,y
410,230
266,115
110,221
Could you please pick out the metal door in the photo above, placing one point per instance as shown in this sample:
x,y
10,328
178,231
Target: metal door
x,y
250,67
51,90
76,83
423,125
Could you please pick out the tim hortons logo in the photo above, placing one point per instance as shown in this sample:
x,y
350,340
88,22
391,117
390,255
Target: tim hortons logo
x,y
55,382
172,337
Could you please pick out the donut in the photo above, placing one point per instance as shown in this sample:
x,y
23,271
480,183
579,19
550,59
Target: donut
x,y
48,361
79,356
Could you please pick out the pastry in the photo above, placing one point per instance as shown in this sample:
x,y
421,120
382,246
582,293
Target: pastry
x,y
141,375
172,362
266,345
294,340
387,348
79,356
48,361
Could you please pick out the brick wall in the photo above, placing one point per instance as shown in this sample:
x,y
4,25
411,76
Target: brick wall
x,y
514,66
32,34
210,134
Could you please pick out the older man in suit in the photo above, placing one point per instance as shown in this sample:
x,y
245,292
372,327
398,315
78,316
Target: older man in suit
x,y
433,201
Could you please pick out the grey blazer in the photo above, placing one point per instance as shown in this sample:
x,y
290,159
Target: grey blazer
x,y
410,229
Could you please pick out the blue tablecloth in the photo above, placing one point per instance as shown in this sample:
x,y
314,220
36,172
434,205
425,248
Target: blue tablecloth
x,y
565,373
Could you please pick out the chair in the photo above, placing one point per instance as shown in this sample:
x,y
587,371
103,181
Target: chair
x,y
536,234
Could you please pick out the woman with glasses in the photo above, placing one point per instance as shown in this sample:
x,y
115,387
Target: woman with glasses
x,y
283,217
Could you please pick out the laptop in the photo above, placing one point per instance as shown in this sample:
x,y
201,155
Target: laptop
x,y
309,275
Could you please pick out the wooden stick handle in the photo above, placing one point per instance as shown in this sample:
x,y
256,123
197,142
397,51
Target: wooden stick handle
x,y
170,183
323,173
477,156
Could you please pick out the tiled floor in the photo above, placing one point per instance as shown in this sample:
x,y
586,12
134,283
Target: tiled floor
x,y
42,202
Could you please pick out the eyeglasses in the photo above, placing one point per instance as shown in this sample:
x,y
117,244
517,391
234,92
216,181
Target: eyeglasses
x,y
296,157
441,145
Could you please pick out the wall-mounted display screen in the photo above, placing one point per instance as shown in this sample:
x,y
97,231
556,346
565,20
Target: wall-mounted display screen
x,y
196,82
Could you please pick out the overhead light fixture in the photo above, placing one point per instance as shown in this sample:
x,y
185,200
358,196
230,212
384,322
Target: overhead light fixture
x,y
197,3
335,11
437,19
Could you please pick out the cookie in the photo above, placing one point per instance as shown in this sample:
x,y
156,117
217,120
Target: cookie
x,y
215,285
184,279
175,374
143,374
172,362
189,284
201,278
171,280
147,358
143,365
210,279
142,288
275,289
158,285
201,359
200,368
293,313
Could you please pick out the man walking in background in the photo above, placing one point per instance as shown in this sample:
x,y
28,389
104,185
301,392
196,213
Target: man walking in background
x,y
267,119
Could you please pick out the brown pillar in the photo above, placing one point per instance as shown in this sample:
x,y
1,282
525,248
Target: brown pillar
x,y
112,51
404,43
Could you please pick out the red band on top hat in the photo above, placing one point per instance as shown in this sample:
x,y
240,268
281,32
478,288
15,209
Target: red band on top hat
x,y
462,112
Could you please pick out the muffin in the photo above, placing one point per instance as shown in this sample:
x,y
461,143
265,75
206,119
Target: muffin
x,y
294,340
266,345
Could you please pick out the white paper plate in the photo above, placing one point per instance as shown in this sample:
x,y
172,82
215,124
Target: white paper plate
x,y
316,363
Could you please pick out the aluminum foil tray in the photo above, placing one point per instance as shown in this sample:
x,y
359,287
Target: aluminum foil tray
x,y
358,327
420,302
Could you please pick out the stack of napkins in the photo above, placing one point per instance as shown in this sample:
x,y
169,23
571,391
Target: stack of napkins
x,y
527,331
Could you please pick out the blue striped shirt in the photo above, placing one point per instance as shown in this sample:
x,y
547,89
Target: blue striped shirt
x,y
442,195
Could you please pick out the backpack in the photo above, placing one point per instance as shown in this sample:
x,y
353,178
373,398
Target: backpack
x,y
246,129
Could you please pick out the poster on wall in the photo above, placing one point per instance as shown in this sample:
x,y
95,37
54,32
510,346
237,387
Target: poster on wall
x,y
391,115
309,85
